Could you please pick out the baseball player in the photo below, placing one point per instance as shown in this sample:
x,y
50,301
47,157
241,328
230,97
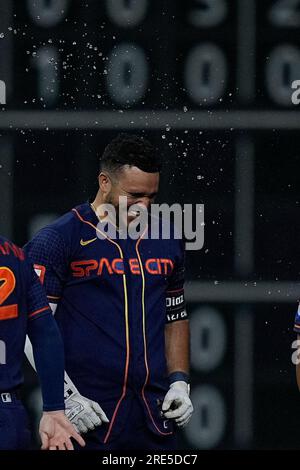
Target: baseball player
x,y
24,309
119,304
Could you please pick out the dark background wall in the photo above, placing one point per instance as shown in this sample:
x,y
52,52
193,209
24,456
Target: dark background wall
x,y
209,82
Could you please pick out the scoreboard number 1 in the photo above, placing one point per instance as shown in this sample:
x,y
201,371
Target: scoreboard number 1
x,y
46,63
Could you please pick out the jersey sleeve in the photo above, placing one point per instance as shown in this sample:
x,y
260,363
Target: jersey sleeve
x,y
37,303
175,301
48,353
297,321
47,252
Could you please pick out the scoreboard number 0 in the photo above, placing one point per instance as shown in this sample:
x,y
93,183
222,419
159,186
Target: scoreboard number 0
x,y
282,69
208,338
207,426
208,341
205,74
127,74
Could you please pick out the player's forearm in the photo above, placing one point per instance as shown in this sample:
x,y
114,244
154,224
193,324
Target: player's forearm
x,y
69,387
28,346
177,346
48,355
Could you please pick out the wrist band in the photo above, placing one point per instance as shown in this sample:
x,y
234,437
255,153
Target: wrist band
x,y
178,375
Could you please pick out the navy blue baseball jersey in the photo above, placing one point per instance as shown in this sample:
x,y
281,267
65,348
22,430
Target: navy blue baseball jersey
x,y
22,299
297,321
114,298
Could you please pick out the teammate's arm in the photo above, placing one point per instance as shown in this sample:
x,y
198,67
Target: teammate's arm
x,y
85,414
55,428
49,254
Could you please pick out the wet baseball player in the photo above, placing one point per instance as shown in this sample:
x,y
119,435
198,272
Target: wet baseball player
x,y
119,304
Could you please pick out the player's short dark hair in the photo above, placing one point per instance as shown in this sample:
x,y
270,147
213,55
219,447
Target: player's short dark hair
x,y
132,150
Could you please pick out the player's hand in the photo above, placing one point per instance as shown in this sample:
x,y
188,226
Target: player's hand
x,y
84,414
177,404
56,431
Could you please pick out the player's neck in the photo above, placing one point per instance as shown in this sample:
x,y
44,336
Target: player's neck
x,y
96,207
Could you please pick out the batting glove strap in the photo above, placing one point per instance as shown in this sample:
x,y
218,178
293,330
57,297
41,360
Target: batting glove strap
x,y
179,376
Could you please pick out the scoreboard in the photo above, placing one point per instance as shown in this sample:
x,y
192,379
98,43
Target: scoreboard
x,y
116,54
210,83
154,54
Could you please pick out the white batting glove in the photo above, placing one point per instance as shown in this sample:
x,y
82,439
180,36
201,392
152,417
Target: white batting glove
x,y
84,414
177,404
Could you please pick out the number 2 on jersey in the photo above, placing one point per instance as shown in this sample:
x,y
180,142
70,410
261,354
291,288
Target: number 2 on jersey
x,y
7,286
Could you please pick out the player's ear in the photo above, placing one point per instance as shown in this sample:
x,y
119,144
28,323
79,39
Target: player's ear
x,y
104,183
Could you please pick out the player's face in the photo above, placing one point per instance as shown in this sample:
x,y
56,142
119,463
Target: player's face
x,y
138,186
